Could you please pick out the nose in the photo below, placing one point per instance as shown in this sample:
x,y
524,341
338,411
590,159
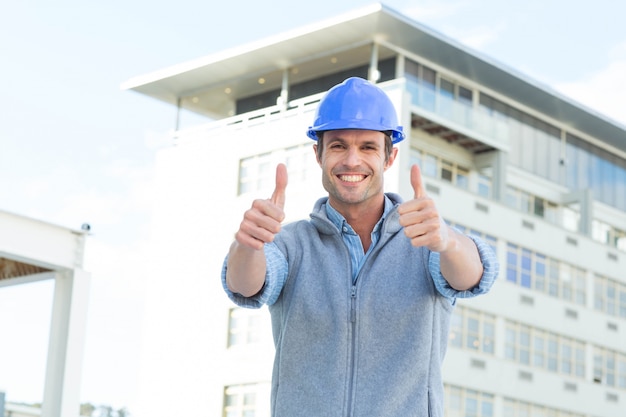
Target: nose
x,y
353,156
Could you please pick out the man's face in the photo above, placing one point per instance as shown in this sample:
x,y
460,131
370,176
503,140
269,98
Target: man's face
x,y
353,163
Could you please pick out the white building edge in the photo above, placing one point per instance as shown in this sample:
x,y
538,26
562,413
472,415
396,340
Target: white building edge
x,y
32,250
538,175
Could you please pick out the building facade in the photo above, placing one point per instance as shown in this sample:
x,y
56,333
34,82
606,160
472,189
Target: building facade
x,y
538,176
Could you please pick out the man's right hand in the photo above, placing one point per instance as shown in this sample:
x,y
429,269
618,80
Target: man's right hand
x,y
263,220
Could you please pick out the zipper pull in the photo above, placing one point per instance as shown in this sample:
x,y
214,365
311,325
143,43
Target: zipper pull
x,y
353,304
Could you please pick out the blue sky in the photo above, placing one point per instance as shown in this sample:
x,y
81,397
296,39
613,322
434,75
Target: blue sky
x,y
74,148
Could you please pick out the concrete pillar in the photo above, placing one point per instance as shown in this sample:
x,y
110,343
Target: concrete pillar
x,y
373,72
584,200
65,350
497,160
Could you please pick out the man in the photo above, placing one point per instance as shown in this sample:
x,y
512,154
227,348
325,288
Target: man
x,y
361,294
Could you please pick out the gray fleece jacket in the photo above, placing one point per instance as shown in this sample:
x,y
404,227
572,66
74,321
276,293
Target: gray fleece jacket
x,y
369,349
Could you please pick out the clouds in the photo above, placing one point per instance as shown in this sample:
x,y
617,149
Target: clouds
x,y
543,41
603,90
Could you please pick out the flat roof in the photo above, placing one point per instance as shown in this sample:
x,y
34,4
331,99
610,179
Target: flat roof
x,y
30,249
237,70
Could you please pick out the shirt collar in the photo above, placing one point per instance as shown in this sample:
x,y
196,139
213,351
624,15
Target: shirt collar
x,y
340,222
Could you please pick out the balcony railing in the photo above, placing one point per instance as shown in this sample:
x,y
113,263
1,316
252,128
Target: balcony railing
x,y
464,119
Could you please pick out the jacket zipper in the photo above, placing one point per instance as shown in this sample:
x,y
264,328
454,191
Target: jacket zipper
x,y
352,349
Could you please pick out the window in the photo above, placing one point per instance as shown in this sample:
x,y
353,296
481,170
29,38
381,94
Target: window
x,y
436,167
609,235
518,408
257,172
472,330
538,272
245,326
544,350
484,185
609,296
463,402
246,400
531,204
609,367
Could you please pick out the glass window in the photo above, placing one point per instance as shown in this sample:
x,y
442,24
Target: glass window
x,y
429,167
447,169
244,326
456,328
462,178
242,400
484,185
553,353
524,345
446,87
539,350
510,350
471,329
511,263
489,335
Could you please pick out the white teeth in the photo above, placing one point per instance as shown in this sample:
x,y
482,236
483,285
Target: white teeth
x,y
351,178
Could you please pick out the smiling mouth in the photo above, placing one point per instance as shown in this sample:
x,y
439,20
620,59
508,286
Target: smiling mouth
x,y
351,178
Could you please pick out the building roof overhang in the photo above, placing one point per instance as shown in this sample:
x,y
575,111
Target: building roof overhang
x,y
199,85
32,250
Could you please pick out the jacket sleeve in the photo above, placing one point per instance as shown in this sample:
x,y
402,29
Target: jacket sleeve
x,y
490,272
275,276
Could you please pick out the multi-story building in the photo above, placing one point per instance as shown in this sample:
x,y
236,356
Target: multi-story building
x,y
540,177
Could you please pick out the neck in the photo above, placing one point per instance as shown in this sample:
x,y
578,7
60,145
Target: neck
x,y
362,218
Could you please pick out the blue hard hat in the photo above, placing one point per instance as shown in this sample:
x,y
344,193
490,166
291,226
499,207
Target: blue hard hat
x,y
356,104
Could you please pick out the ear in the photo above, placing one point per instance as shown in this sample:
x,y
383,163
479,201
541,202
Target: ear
x,y
317,158
392,158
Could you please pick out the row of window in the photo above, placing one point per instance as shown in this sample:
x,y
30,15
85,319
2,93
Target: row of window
x,y
464,402
250,400
475,330
564,216
562,280
541,273
544,350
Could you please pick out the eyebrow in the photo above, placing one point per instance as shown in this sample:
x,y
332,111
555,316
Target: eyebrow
x,y
343,141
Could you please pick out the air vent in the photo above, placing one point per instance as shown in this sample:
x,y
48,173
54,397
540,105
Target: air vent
x,y
572,241
526,299
570,386
572,314
612,397
525,376
482,207
612,256
612,326
478,364
528,225
432,189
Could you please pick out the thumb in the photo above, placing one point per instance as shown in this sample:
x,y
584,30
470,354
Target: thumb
x,y
278,196
416,182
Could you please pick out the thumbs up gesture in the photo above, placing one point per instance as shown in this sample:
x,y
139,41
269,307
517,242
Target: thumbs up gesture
x,y
262,221
420,218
